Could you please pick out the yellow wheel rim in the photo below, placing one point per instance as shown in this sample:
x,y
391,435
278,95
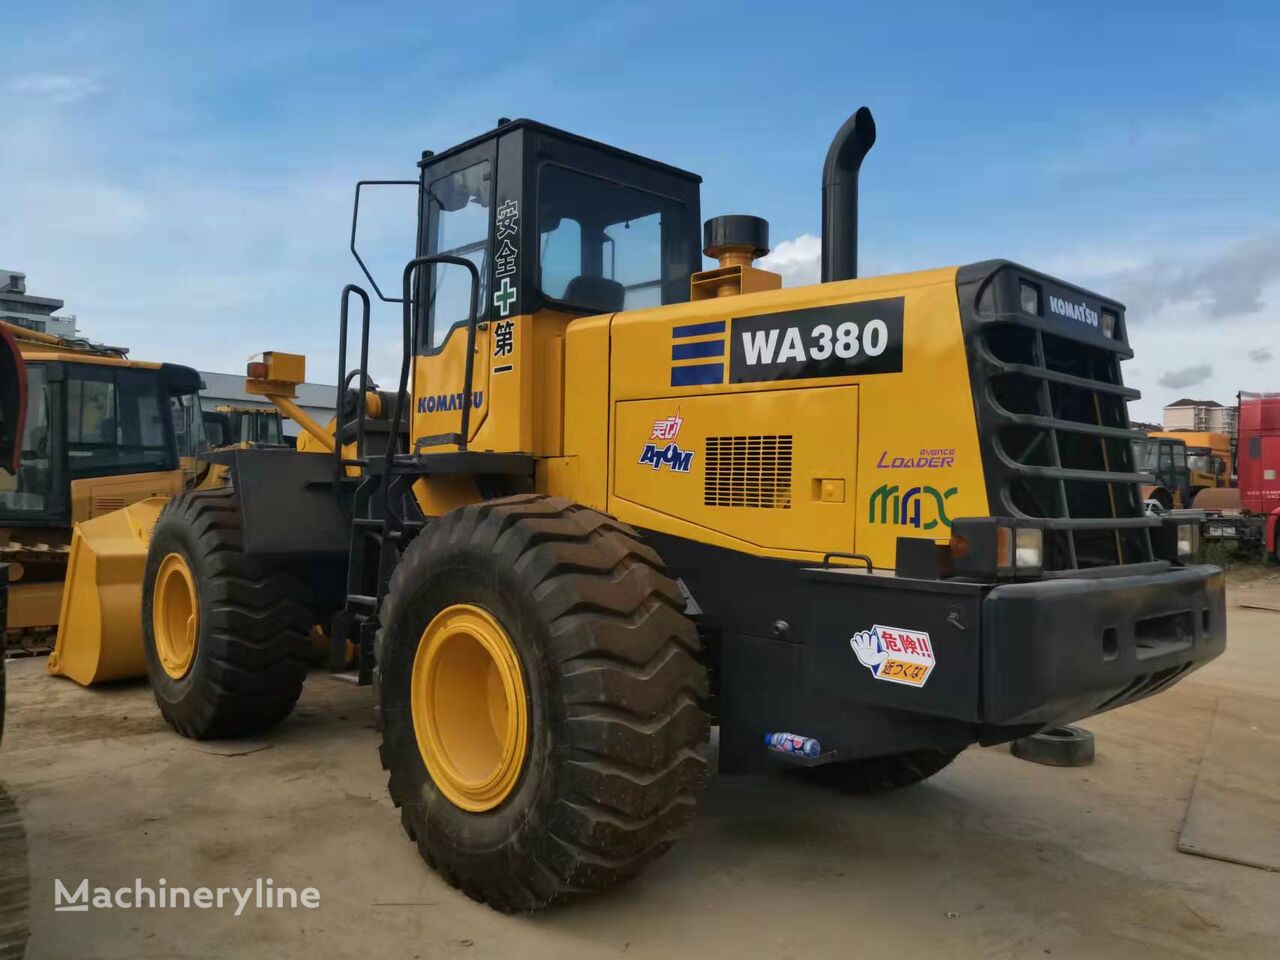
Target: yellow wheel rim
x,y
470,714
175,615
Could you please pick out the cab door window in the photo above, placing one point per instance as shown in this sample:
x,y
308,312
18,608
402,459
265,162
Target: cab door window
x,y
458,219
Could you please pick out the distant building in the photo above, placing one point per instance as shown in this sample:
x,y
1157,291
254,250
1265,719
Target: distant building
x,y
227,389
35,313
1202,415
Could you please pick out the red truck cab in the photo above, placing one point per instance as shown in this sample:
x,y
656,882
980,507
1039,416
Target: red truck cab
x,y
1258,461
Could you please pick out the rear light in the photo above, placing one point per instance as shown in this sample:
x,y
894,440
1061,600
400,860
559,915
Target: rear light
x,y
1177,539
257,370
985,548
1188,541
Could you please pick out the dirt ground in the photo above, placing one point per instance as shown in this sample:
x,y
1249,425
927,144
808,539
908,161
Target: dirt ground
x,y
993,858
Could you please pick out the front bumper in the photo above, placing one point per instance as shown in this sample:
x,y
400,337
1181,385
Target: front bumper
x,y
1060,650
1002,660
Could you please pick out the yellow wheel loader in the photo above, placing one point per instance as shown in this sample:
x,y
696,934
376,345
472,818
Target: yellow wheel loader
x,y
226,425
13,413
616,498
102,433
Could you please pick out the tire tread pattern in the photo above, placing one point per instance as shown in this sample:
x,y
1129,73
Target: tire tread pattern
x,y
631,759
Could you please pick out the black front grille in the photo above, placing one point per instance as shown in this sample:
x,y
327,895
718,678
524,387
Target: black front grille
x,y
1056,439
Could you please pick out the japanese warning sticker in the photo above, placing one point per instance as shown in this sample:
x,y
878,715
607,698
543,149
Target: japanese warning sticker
x,y
895,655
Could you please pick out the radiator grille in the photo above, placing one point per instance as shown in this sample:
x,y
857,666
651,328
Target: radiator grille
x,y
1056,434
749,472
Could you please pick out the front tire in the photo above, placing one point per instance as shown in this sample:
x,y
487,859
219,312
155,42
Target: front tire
x,y
226,637
594,690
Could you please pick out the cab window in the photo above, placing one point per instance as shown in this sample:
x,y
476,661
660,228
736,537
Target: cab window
x,y
605,246
115,422
458,217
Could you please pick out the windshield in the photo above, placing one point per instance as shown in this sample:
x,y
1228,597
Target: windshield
x,y
27,492
605,247
1200,461
1145,453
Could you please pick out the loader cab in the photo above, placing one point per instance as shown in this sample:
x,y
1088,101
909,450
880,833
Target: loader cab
x,y
88,421
559,227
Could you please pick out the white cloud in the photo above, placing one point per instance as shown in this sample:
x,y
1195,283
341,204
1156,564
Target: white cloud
x,y
58,87
798,260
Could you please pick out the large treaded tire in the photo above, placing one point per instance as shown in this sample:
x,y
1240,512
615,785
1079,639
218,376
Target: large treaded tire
x,y
878,774
253,644
616,750
15,881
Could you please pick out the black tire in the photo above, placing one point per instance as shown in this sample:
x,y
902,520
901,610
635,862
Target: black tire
x,y
15,881
1065,746
253,643
878,774
616,750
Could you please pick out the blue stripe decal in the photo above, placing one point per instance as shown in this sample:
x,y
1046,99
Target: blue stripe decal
x,y
695,351
698,329
701,373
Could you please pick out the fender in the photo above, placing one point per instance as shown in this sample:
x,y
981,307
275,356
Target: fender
x,y
13,401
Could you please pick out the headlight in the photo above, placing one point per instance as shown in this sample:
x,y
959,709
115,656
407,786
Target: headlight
x,y
1029,295
1108,323
1188,540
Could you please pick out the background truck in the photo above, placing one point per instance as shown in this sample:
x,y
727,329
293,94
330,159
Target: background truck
x,y
1247,517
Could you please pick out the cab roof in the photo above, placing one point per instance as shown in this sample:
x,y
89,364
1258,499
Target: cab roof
x,y
525,123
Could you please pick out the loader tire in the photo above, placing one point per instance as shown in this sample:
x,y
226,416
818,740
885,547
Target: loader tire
x,y
878,774
251,626
607,761
15,880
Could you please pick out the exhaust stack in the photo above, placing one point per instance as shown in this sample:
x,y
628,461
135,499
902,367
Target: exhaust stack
x,y
840,196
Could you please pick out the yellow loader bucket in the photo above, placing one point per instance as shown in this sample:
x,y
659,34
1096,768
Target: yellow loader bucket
x,y
100,629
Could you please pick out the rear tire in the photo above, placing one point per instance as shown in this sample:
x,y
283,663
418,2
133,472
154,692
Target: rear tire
x,y
614,758
252,641
878,774
15,881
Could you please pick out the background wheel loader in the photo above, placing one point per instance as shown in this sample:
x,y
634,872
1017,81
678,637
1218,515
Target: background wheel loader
x,y
616,498
105,439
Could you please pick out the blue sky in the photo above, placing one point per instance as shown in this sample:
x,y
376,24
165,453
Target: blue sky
x,y
181,173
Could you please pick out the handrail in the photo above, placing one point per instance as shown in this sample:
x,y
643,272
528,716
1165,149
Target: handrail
x,y
349,289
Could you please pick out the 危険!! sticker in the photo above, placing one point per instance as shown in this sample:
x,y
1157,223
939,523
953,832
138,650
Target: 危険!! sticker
x,y
840,340
895,655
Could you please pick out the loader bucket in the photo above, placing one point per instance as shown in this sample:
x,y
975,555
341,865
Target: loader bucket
x,y
100,628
